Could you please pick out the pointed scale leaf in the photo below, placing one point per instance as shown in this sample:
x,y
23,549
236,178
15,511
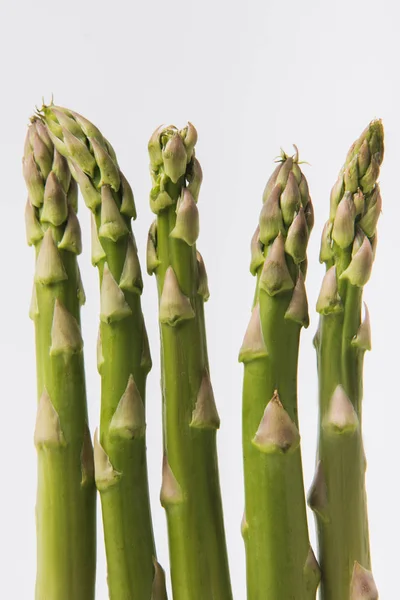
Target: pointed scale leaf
x,y
171,492
87,460
55,207
343,225
34,181
104,473
175,307
112,225
33,308
80,292
359,270
98,253
174,158
370,219
158,588
189,136
72,238
187,225
145,360
283,175
43,157
78,151
90,195
128,207
49,265
131,277
194,176
253,346
341,416
113,306
318,494
329,300
154,147
129,421
362,586
312,572
298,308
257,256
66,335
202,286
271,223
275,277
205,414
34,231
152,261
297,238
48,433
109,172
336,196
290,200
276,432
362,339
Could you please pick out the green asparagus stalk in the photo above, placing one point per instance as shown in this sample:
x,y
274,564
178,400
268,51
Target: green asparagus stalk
x,y
337,495
190,490
280,560
66,493
123,359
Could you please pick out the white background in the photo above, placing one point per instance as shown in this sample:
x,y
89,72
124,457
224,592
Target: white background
x,y
252,76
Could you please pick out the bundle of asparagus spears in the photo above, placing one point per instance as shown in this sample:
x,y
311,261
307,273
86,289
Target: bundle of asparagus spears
x,y
65,152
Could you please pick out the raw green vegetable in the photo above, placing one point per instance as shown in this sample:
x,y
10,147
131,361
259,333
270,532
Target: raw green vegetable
x,y
190,490
66,493
280,561
123,358
337,495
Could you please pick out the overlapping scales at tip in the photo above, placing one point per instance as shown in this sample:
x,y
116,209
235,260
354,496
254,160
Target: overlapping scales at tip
x,y
287,214
355,202
172,159
91,157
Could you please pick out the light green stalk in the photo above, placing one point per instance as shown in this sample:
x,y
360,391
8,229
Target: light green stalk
x,y
66,494
280,561
123,359
190,490
337,495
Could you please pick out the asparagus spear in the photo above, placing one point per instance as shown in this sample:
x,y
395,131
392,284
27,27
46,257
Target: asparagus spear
x,y
66,494
123,359
280,561
190,490
337,495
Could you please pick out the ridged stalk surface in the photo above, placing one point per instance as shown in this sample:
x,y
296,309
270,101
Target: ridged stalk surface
x,y
190,490
280,561
66,493
123,359
338,495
